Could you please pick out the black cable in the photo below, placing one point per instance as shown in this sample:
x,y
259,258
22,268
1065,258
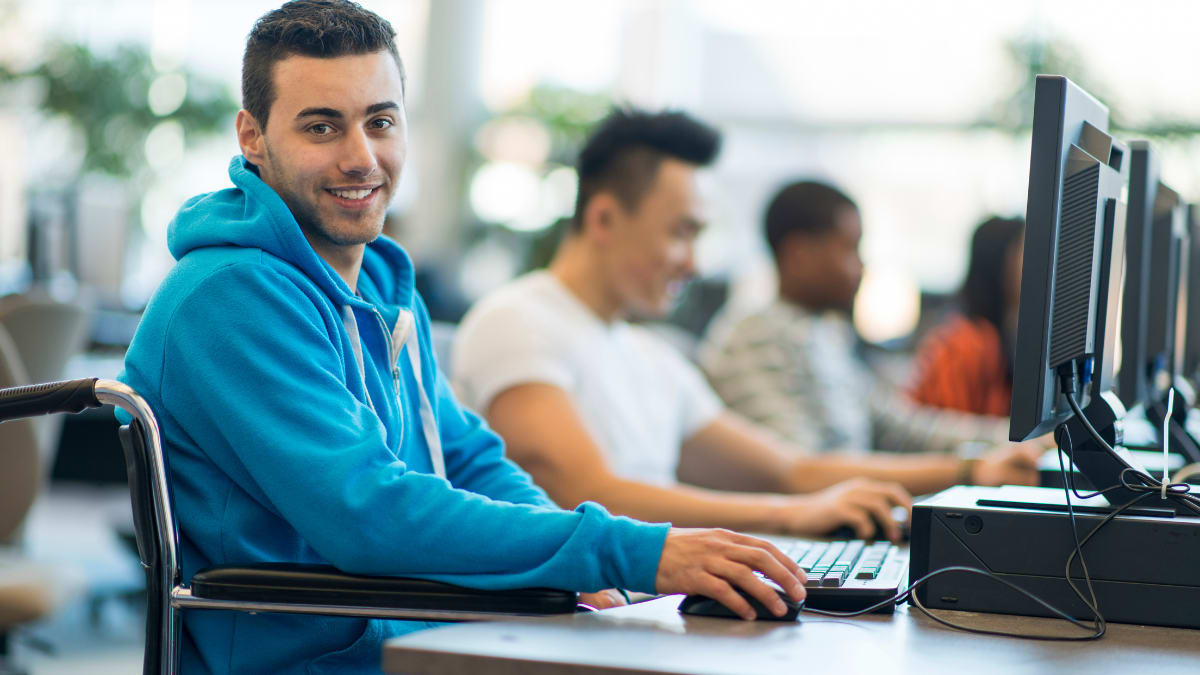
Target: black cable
x,y
1022,636
1146,486
1180,492
1069,477
1069,487
910,595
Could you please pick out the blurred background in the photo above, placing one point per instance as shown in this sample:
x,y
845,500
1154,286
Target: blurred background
x,y
113,113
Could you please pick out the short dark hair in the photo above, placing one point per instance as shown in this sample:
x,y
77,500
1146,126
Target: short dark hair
x,y
624,152
319,28
803,207
985,290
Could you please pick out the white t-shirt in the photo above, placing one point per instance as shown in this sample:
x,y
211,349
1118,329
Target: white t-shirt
x,y
638,397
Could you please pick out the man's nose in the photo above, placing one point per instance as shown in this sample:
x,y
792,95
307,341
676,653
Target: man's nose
x,y
358,156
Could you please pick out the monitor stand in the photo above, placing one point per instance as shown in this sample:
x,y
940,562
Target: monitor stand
x,y
1101,465
1181,441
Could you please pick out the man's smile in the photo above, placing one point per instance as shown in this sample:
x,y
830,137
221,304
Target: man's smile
x,y
354,196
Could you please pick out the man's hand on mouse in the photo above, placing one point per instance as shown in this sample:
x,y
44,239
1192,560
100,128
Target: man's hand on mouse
x,y
859,503
714,562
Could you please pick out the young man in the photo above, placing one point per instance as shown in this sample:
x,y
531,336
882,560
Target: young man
x,y
791,366
598,409
288,359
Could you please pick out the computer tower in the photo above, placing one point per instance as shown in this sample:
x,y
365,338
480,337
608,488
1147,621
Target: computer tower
x,y
1145,568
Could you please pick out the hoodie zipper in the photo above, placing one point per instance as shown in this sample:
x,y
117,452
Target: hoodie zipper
x,y
393,351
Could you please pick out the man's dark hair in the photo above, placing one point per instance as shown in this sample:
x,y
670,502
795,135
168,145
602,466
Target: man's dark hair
x,y
803,207
624,152
318,28
985,290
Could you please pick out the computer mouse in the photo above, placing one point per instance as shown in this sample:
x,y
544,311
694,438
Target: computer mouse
x,y
702,605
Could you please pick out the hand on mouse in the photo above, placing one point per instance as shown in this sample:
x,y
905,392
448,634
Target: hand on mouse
x,y
713,562
859,503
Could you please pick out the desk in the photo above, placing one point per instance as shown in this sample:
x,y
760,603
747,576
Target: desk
x,y
652,637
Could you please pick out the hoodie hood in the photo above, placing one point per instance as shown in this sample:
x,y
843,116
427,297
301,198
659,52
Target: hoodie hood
x,y
252,215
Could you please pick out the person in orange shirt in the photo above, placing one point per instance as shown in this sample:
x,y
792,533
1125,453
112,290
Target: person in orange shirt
x,y
966,363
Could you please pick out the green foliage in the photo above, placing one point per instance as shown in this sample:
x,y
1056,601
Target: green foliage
x,y
567,114
105,97
1038,56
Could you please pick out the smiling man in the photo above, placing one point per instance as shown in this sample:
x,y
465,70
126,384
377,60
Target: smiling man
x,y
303,415
596,408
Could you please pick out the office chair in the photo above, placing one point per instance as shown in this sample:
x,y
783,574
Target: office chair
x,y
266,587
20,461
26,593
46,333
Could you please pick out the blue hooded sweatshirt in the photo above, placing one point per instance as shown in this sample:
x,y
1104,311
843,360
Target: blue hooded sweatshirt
x,y
280,449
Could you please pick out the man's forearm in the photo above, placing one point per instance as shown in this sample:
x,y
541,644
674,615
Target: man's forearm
x,y
918,474
687,506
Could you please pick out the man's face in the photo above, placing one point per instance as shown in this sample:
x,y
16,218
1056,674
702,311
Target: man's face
x,y
844,266
823,271
335,145
652,250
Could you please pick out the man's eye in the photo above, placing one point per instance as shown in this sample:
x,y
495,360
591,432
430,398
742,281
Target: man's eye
x,y
381,123
320,129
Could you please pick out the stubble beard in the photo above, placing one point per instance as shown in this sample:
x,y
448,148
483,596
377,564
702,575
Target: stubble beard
x,y
306,214
310,222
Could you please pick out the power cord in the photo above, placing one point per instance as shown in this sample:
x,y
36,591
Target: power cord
x,y
1130,479
1179,493
909,594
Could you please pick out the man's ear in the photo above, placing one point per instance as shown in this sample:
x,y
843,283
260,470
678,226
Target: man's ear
x,y
600,215
797,254
250,138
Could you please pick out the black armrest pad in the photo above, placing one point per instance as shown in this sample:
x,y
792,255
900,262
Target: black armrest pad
x,y
325,585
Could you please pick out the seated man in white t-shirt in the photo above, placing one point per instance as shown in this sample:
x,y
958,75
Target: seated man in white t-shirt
x,y
598,409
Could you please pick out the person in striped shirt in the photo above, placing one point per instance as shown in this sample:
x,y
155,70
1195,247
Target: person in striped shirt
x,y
792,366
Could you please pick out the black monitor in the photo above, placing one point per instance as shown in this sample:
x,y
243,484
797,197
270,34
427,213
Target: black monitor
x,y
1166,324
1169,254
1191,316
1074,253
1134,372
1156,283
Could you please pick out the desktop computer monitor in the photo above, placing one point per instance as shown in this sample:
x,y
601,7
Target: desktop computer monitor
x,y
1154,314
1144,167
1191,315
1167,292
1074,255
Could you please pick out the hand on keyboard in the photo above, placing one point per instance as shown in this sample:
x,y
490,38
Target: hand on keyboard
x,y
1009,464
714,563
860,503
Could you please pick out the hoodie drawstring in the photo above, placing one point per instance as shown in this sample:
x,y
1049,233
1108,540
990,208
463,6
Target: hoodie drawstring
x,y
404,336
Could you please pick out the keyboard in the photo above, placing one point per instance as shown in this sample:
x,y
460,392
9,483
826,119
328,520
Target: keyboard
x,y
847,576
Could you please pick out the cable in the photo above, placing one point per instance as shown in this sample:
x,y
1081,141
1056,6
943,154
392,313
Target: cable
x,y
1070,476
1146,485
910,595
1178,492
1069,486
1130,479
1167,437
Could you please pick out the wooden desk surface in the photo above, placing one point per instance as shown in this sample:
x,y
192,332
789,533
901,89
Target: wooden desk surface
x,y
652,637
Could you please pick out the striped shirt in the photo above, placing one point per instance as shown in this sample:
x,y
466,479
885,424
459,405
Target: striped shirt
x,y
797,373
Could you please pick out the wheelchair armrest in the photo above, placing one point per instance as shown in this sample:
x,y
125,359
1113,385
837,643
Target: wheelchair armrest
x,y
326,585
